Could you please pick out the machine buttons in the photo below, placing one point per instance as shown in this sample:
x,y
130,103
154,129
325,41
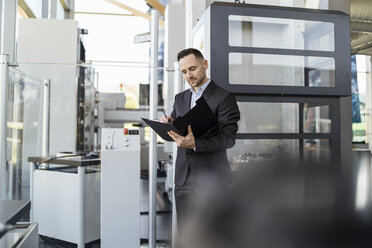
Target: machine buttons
x,y
126,140
126,144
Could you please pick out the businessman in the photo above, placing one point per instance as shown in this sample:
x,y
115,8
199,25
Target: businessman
x,y
201,162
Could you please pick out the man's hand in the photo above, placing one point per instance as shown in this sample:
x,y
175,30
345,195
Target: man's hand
x,y
166,119
187,141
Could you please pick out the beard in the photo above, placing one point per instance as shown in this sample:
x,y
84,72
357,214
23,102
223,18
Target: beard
x,y
198,82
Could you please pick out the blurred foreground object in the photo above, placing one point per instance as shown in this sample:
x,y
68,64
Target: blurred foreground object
x,y
282,204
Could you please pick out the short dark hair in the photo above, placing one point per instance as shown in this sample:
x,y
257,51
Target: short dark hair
x,y
189,51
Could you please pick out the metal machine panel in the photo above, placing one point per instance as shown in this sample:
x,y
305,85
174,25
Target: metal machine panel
x,y
120,189
55,205
51,191
56,38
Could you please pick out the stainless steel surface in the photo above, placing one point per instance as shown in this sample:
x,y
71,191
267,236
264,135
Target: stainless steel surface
x,y
71,161
4,59
13,211
30,238
152,143
23,235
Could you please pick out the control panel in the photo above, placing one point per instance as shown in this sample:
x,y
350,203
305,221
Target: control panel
x,y
118,139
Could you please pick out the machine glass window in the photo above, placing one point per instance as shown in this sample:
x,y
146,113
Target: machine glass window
x,y
272,117
247,152
281,70
316,119
265,32
316,150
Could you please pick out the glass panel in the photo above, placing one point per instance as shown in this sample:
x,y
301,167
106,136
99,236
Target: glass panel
x,y
246,152
86,111
263,117
265,32
269,117
317,119
316,150
281,70
24,127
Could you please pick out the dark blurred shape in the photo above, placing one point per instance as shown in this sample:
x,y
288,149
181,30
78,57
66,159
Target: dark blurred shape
x,y
281,204
144,95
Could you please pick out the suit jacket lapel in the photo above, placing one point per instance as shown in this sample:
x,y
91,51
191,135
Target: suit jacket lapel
x,y
208,92
187,100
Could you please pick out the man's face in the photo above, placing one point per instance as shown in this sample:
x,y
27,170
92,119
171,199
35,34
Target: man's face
x,y
193,70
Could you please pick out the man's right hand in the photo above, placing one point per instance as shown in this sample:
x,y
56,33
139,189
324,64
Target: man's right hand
x,y
165,119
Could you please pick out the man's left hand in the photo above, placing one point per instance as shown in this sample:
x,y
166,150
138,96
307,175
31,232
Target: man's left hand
x,y
187,141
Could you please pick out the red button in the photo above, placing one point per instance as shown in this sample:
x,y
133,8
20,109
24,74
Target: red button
x,y
126,131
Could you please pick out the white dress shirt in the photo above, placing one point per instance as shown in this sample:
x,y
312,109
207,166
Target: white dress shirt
x,y
196,95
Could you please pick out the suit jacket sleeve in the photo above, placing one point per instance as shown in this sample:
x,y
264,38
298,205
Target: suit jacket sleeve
x,y
228,116
174,113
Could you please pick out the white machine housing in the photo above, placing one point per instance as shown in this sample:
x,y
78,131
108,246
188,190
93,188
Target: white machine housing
x,y
120,188
55,205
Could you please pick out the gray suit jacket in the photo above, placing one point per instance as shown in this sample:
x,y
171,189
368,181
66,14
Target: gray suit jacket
x,y
208,163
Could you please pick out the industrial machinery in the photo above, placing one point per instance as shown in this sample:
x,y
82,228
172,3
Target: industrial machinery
x,y
120,188
65,197
124,192
53,49
57,53
289,70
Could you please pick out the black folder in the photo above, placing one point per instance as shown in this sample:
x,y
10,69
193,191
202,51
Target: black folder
x,y
200,117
